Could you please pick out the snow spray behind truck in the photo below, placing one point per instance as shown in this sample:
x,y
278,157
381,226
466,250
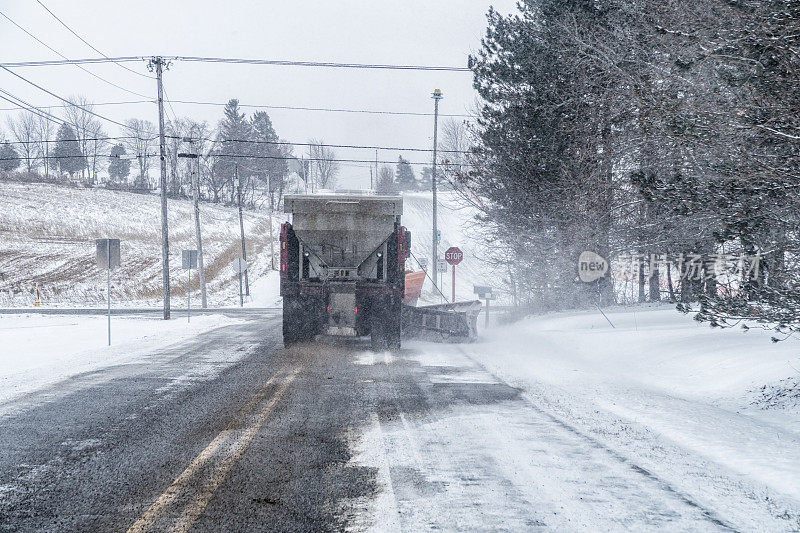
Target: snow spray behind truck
x,y
342,267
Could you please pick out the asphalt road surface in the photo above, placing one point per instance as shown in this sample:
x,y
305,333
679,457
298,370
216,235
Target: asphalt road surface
x,y
232,432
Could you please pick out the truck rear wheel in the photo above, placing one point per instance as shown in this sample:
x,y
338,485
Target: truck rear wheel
x,y
291,325
386,326
302,319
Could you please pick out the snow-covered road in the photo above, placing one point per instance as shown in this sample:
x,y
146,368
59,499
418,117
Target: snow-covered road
x,y
542,429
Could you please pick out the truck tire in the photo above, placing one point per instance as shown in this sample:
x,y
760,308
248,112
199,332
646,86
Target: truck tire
x,y
377,331
393,325
303,319
291,325
386,325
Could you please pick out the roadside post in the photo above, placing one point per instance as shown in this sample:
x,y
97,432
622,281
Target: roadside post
x,y
484,293
240,266
189,261
107,254
454,256
441,268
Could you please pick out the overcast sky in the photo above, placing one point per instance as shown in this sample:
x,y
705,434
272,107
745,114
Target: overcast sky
x,y
418,32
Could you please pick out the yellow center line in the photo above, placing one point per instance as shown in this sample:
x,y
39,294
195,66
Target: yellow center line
x,y
198,503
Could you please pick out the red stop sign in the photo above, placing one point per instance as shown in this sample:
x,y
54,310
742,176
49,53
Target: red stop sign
x,y
453,255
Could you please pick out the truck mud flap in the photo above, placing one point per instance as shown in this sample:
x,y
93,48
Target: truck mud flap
x,y
443,322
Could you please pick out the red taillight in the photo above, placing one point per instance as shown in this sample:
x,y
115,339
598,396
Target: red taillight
x,y
328,309
356,309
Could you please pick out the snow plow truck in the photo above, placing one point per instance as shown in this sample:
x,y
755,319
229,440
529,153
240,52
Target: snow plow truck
x,y
342,267
343,273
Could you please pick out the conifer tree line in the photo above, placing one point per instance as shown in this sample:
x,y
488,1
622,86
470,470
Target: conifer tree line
x,y
641,128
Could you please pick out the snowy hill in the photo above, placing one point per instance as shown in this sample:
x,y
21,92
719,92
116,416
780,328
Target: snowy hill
x,y
47,235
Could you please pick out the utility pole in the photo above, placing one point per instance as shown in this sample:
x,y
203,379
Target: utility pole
x,y
271,238
437,95
241,227
196,199
159,63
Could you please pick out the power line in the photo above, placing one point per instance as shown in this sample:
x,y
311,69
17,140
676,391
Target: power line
x,y
326,109
284,107
233,156
125,102
25,106
87,43
66,58
54,95
67,61
172,110
326,64
319,64
355,146
121,137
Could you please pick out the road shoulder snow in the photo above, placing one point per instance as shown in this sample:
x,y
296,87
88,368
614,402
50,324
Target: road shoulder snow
x,y
40,350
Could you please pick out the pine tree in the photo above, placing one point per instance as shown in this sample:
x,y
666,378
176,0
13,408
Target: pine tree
x,y
425,179
9,160
118,168
386,183
269,157
67,151
235,132
405,178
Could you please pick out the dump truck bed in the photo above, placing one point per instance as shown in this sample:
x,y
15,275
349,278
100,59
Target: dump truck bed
x,y
342,230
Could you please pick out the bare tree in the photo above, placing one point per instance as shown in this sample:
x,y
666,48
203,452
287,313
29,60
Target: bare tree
x,y
45,132
455,142
141,144
24,131
95,148
323,160
78,114
177,182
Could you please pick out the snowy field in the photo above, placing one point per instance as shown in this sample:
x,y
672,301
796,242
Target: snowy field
x,y
657,423
41,350
47,235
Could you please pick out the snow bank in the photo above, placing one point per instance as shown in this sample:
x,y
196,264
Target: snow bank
x,y
39,350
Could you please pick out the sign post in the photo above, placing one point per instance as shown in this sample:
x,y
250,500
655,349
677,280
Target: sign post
x,y
485,293
189,261
240,266
454,256
107,255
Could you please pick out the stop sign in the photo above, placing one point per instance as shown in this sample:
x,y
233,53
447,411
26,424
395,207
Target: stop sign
x,y
453,255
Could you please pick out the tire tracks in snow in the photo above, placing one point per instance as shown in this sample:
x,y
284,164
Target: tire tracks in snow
x,y
709,514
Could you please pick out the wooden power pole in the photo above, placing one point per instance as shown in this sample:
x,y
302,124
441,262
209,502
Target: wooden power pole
x,y
158,63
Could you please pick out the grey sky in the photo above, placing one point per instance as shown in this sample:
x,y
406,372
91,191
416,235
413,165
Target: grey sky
x,y
403,32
